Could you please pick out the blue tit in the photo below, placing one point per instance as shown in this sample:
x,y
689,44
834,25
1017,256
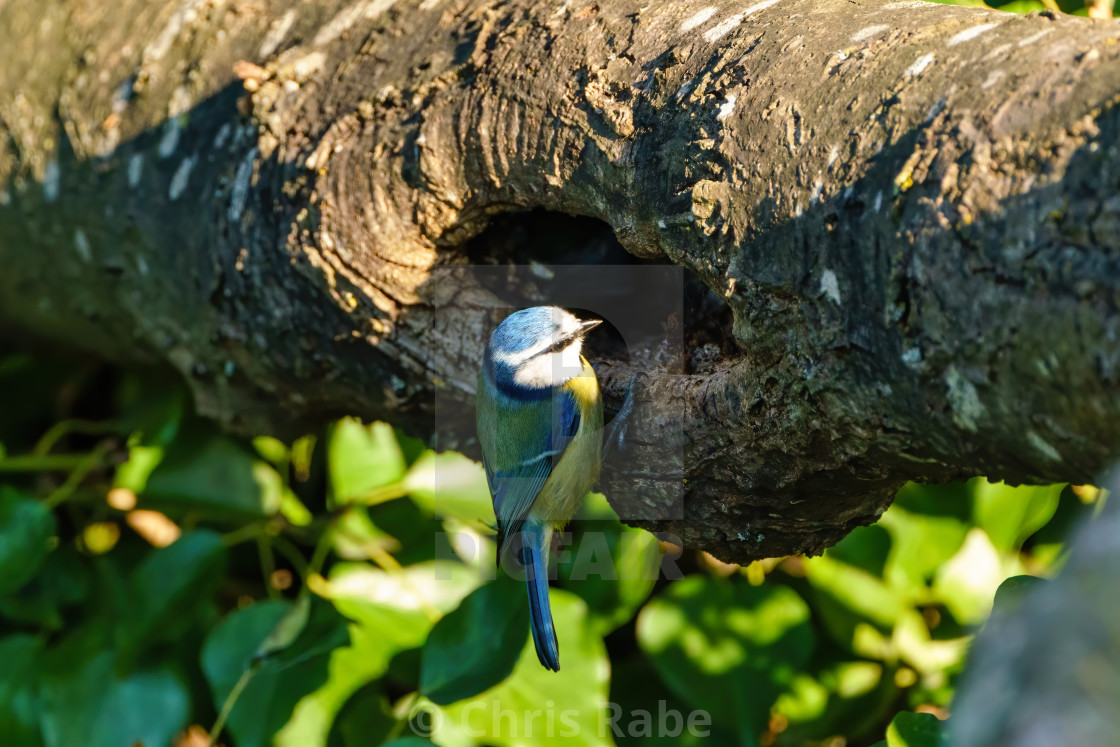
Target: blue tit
x,y
540,424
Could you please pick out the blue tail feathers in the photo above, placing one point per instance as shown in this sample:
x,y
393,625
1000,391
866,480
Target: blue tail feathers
x,y
536,578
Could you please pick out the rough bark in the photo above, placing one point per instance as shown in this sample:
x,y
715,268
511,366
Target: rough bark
x,y
908,210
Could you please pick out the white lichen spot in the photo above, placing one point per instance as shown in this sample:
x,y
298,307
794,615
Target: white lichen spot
x,y
963,399
121,96
760,7
912,357
179,178
830,287
970,34
661,224
833,154
877,203
277,30
81,245
302,69
135,170
430,4
866,33
186,14
170,140
697,19
684,89
908,4
993,77
1042,447
5,198
1033,38
239,193
141,264
347,17
52,181
818,188
717,32
222,136
727,107
919,65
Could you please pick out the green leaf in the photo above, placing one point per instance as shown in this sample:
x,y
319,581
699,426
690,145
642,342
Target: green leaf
x,y
914,730
450,485
88,703
572,699
390,613
20,706
63,580
1012,514
727,647
610,566
1011,593
26,527
361,458
166,586
267,702
921,543
477,645
210,472
967,583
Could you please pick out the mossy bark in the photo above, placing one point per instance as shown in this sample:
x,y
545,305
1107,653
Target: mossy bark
x,y
909,210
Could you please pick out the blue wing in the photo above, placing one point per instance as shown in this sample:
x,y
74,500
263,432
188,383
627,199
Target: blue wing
x,y
515,489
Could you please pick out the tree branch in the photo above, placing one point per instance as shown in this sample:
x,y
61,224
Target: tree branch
x,y
908,209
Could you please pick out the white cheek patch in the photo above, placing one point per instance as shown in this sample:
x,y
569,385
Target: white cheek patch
x,y
550,370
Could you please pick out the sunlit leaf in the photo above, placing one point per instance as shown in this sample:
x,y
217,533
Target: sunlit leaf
x,y
967,583
726,646
1012,514
612,567
26,527
362,457
450,485
574,699
390,612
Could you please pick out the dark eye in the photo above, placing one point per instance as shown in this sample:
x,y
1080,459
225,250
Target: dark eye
x,y
557,346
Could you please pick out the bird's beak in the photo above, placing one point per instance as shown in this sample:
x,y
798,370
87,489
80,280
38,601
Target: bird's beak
x,y
587,326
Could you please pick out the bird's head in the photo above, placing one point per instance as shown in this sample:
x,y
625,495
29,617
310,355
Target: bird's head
x,y
537,348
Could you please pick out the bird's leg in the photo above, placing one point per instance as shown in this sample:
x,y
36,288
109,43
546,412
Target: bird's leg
x,y
616,435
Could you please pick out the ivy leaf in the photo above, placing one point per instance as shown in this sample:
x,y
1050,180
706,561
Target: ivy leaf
x,y
26,527
915,730
267,701
477,645
20,706
166,586
727,647
362,457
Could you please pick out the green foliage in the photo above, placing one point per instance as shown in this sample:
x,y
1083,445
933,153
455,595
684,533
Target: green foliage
x,y
340,591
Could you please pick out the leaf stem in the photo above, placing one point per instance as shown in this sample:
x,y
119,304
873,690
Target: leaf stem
x,y
227,706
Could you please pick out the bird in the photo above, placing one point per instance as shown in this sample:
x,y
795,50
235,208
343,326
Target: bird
x,y
539,416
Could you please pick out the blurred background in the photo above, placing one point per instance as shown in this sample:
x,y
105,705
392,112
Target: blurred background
x,y
160,580
164,583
